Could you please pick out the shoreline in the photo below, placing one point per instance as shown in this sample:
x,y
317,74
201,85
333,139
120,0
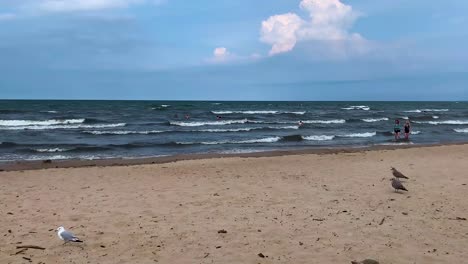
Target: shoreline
x,y
79,163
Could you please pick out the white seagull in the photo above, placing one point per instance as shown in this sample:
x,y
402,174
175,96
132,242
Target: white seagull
x,y
67,236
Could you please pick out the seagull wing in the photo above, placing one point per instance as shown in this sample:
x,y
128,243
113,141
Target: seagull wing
x,y
69,236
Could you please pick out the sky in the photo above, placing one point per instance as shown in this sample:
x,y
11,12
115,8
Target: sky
x,y
234,49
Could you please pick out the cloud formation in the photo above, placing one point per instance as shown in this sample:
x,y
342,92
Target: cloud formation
x,y
223,55
329,20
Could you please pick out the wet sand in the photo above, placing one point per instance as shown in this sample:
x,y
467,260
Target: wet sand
x,y
328,207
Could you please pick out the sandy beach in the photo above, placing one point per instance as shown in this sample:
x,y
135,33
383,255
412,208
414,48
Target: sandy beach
x,y
302,208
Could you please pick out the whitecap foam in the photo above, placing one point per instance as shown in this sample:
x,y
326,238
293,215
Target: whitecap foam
x,y
222,112
122,132
245,112
245,129
360,135
415,132
249,141
259,112
461,130
426,110
396,143
318,138
285,127
435,110
13,123
357,107
335,121
209,123
214,130
445,122
38,127
165,106
370,120
296,112
435,117
51,150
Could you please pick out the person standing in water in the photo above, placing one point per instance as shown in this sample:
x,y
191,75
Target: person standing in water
x,y
396,129
407,129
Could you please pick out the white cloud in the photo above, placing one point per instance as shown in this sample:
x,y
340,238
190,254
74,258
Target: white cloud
x,y
222,55
220,52
7,16
281,32
330,20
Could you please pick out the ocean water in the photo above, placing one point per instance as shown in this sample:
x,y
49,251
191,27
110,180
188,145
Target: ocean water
x,y
36,129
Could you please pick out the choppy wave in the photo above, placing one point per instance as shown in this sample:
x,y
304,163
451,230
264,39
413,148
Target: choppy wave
x,y
208,123
426,110
250,141
359,135
357,107
259,112
78,126
244,129
123,132
461,130
318,138
51,150
50,122
335,121
370,120
396,143
445,122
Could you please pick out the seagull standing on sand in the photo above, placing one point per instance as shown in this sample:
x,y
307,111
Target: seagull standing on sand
x,y
396,184
398,174
67,236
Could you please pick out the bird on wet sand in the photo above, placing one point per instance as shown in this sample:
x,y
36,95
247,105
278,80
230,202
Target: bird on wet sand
x,y
398,174
396,184
67,236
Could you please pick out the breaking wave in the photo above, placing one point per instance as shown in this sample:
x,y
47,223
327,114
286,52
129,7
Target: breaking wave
x,y
370,120
335,121
14,123
461,130
262,112
357,107
123,132
359,135
208,123
445,122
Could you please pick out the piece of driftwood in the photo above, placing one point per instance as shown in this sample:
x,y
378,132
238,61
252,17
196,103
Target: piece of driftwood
x,y
31,246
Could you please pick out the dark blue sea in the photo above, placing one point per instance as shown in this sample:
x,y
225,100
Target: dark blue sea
x,y
36,129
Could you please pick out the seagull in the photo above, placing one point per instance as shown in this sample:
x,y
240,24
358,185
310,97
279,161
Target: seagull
x,y
398,174
67,236
396,184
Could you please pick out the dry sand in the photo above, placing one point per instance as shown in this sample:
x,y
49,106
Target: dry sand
x,y
307,208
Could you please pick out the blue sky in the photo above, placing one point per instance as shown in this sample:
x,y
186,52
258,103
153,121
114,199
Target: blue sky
x,y
234,49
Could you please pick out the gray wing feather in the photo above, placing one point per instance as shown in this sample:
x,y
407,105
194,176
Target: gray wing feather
x,y
398,174
68,236
397,185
